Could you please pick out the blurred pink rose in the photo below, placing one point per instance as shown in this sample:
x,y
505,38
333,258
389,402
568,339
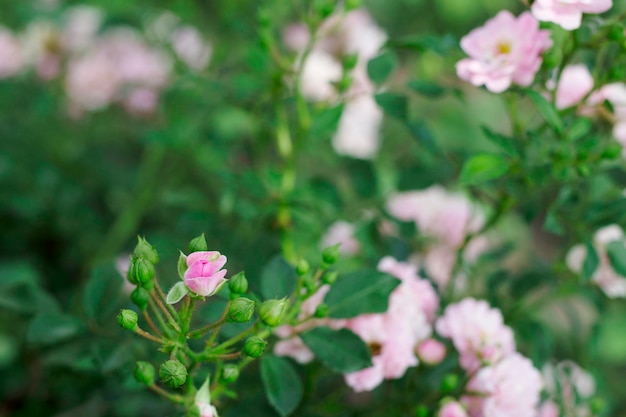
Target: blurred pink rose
x,y
341,232
575,83
11,57
358,134
141,101
452,409
477,331
204,274
207,410
505,50
510,387
431,351
394,335
614,93
549,409
191,48
612,283
568,13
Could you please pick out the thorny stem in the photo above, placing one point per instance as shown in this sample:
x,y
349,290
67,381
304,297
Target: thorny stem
x,y
204,330
165,311
159,290
172,397
148,336
154,328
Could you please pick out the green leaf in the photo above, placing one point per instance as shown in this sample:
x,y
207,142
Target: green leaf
x,y
503,142
278,279
181,266
282,384
395,105
340,350
426,88
617,255
359,293
178,291
591,261
547,110
380,67
51,328
483,168
579,129
325,122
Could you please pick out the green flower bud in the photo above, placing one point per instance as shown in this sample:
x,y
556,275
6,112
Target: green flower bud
x,y
240,310
141,271
230,373
254,346
350,61
272,312
127,319
321,311
238,284
449,383
146,251
302,267
330,277
331,254
198,244
144,373
173,373
140,297
148,286
421,411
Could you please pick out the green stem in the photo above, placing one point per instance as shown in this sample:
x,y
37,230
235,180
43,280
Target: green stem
x,y
221,320
204,330
148,336
186,313
154,296
232,341
159,290
172,397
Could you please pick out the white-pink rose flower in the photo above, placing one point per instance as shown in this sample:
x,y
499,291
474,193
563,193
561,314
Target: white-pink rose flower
x,y
575,83
452,409
510,387
613,284
549,409
191,48
614,93
11,55
431,351
342,233
568,13
506,50
358,133
477,331
204,275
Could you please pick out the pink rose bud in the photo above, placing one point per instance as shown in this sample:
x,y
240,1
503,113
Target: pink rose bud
x,y
204,275
431,351
452,409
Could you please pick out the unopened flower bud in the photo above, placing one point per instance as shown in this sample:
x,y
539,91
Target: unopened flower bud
x,y
230,373
321,311
254,346
198,244
173,373
240,310
330,277
146,251
350,61
302,267
127,319
141,271
431,351
238,284
449,383
144,373
331,254
272,312
140,297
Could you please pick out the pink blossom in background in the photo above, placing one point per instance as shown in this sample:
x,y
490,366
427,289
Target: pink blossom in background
x,y
122,264
341,232
568,13
191,48
575,83
11,56
92,81
81,27
614,93
613,284
394,335
141,101
207,410
549,409
510,387
431,351
294,348
452,409
504,51
358,134
204,275
477,331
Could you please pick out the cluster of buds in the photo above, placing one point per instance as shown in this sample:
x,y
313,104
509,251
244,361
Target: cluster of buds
x,y
142,272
